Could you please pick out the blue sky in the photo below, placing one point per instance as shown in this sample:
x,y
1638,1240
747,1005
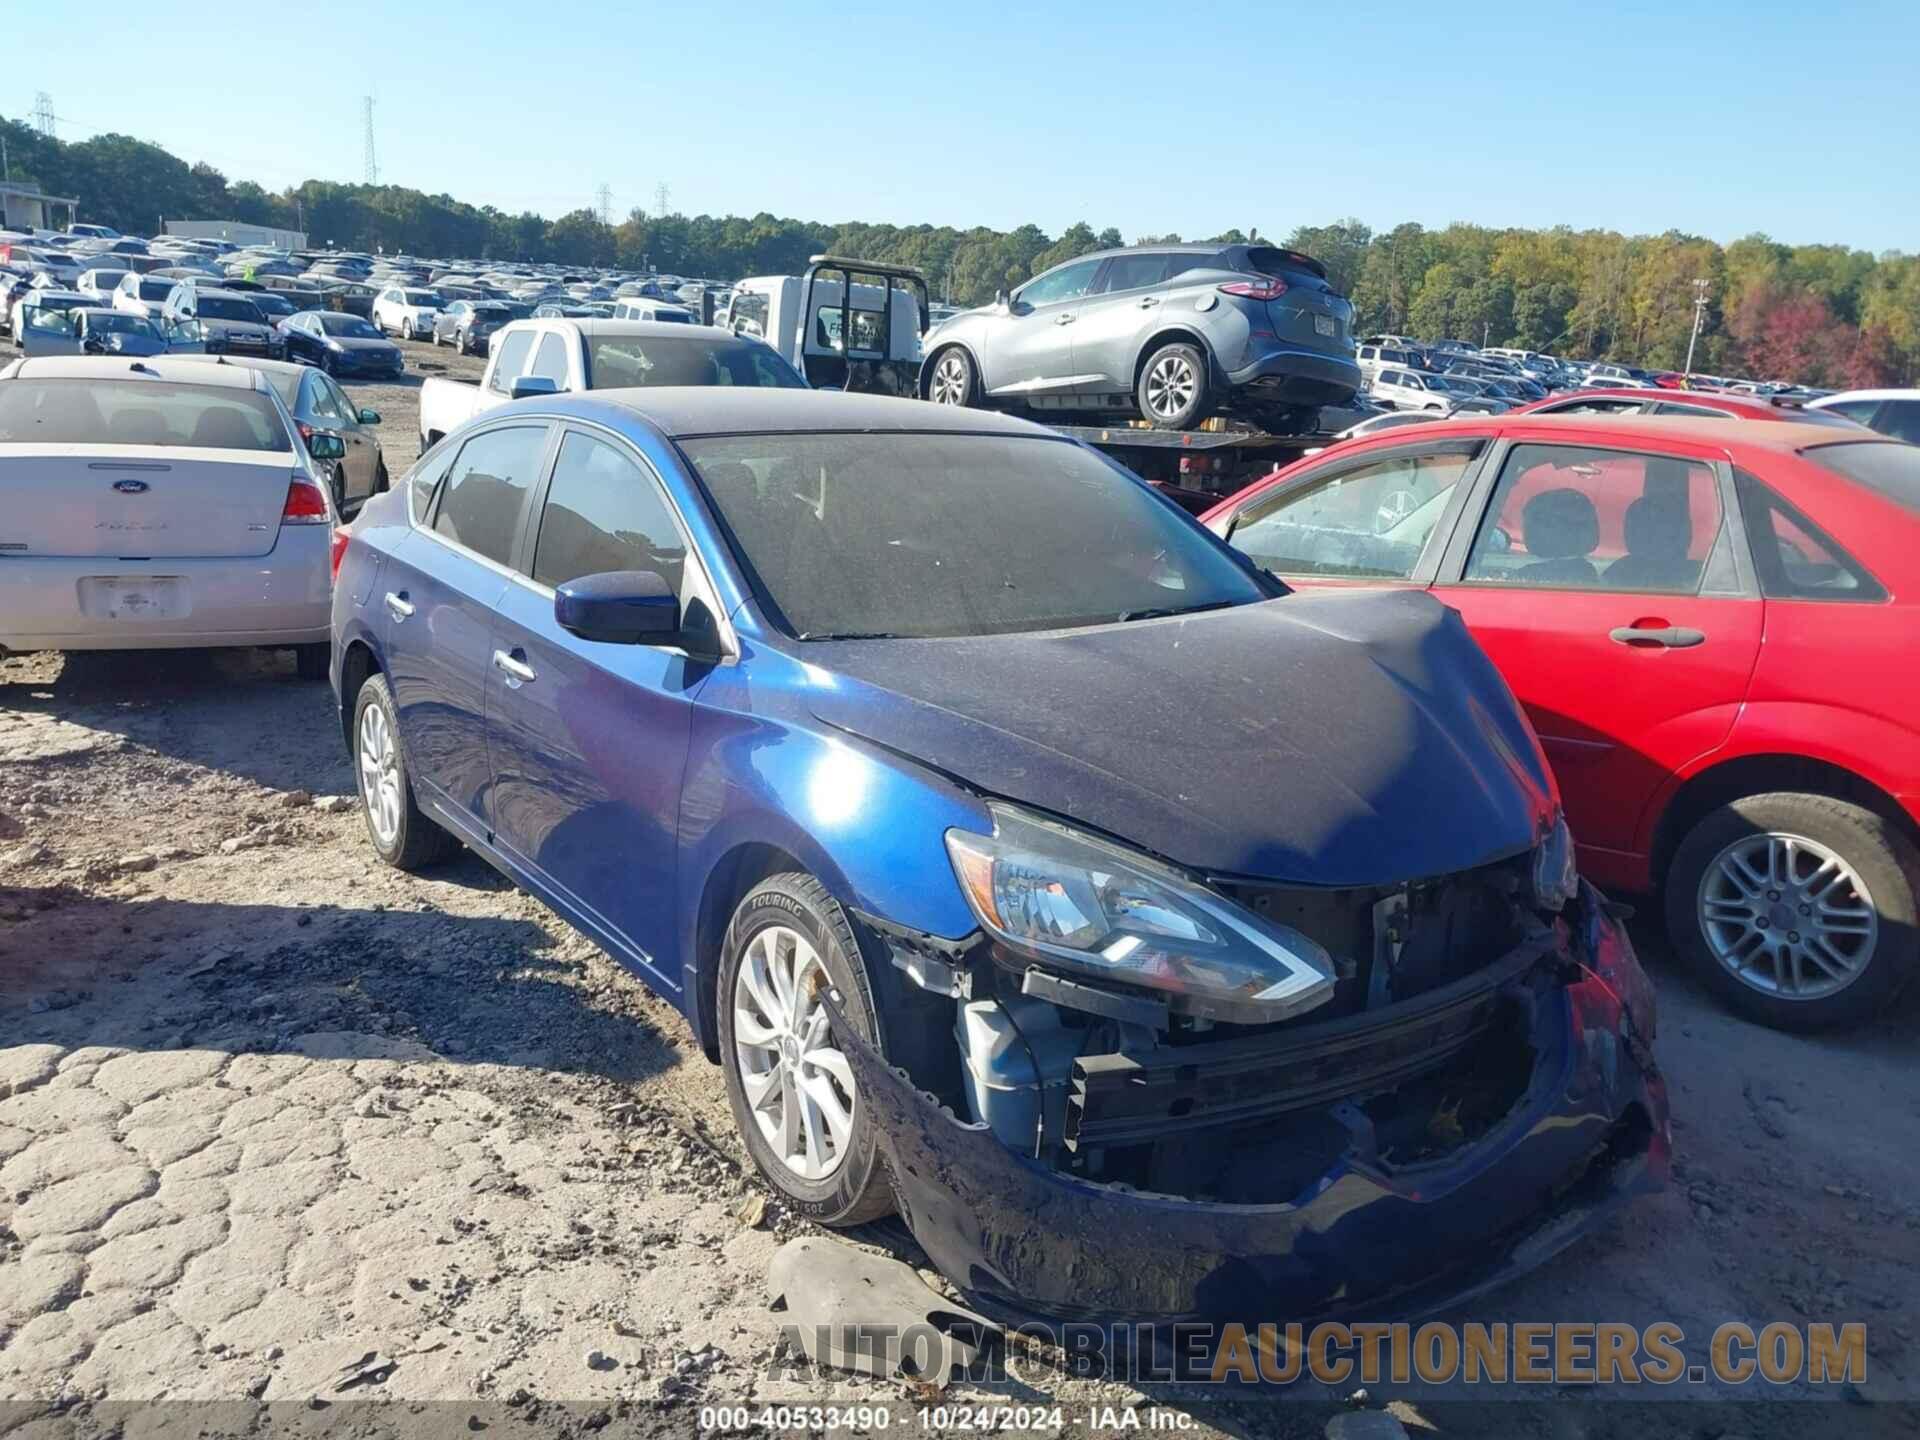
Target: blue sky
x,y
1717,117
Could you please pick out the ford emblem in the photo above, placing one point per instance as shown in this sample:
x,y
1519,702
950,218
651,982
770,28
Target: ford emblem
x,y
131,487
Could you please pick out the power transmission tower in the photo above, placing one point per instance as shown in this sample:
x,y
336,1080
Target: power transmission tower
x,y
373,165
661,197
605,196
43,114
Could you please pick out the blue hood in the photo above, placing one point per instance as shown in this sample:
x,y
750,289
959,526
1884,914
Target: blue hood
x,y
1326,738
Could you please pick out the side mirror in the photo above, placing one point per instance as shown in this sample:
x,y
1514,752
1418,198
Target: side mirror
x,y
369,417
620,607
1499,541
525,385
323,446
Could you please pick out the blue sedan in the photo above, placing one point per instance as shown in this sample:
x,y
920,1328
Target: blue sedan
x,y
1164,944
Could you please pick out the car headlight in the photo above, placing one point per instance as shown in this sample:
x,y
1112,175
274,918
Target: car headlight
x,y
1556,879
1073,901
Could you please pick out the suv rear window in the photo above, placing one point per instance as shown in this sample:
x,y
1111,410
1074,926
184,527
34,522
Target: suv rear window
x,y
1885,466
1270,261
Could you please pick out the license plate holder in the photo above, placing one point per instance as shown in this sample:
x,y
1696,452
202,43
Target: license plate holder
x,y
1323,325
133,597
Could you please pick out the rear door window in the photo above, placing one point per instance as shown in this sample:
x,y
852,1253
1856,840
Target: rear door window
x,y
1133,272
487,488
1567,517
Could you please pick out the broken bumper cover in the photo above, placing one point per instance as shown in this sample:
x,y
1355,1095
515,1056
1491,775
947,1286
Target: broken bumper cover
x,y
1027,1241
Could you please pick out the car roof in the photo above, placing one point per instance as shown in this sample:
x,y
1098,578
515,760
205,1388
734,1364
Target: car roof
x,y
154,367
684,411
1726,433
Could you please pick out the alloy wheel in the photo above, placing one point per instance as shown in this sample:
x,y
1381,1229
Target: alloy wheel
x,y
1787,916
798,1085
379,769
1170,386
950,380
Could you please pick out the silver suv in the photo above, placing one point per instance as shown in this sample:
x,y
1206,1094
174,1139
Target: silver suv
x,y
1173,332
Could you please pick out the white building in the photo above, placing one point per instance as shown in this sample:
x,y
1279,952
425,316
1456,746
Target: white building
x,y
238,232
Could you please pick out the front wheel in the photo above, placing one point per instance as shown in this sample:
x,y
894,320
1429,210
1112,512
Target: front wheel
x,y
1172,392
791,1087
954,381
1799,910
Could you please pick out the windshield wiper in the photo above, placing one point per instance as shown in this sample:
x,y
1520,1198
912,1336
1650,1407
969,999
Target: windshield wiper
x,y
848,635
1164,611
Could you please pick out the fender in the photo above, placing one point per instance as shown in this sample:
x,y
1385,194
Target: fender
x,y
1882,753
926,366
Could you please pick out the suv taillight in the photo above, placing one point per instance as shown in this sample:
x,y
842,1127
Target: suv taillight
x,y
338,551
1271,288
306,505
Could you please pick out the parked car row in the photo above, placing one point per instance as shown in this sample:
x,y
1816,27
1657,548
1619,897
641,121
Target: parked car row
x,y
788,699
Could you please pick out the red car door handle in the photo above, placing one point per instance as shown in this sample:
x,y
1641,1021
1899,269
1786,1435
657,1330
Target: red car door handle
x,y
1673,637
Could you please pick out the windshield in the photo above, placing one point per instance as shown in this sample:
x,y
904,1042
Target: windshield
x,y
421,297
351,326
618,361
222,307
155,289
146,412
927,535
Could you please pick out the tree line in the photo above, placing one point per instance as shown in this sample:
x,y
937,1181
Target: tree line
x,y
1819,314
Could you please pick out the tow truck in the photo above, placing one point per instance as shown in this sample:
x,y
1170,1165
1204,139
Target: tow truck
x,y
886,311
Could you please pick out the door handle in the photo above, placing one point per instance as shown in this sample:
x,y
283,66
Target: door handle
x,y
1063,319
1148,302
1673,637
399,605
517,671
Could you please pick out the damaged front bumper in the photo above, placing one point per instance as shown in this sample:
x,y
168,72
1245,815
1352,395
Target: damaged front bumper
x,y
1382,1238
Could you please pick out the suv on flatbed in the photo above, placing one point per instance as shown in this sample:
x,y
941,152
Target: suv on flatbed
x,y
1175,333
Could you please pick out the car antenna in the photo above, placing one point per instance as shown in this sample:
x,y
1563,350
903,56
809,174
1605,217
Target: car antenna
x,y
140,369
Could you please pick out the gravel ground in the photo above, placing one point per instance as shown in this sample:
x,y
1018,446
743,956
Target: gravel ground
x,y
278,1124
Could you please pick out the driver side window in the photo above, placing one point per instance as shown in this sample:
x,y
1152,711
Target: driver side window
x,y
1373,521
1069,282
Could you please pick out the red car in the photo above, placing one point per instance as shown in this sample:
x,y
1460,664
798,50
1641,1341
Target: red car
x,y
1713,627
1703,404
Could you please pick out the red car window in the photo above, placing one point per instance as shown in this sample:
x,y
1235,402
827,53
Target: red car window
x,y
1572,517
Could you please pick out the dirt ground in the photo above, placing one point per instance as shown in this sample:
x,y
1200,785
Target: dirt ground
x,y
280,1125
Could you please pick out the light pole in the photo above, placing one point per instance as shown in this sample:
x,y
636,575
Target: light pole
x,y
1700,288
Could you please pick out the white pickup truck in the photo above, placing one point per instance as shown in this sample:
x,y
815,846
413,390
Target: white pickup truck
x,y
544,357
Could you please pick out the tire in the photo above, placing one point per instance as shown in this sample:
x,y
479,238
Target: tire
x,y
1719,902
1173,390
953,380
381,481
791,915
411,841
337,483
326,362
312,662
